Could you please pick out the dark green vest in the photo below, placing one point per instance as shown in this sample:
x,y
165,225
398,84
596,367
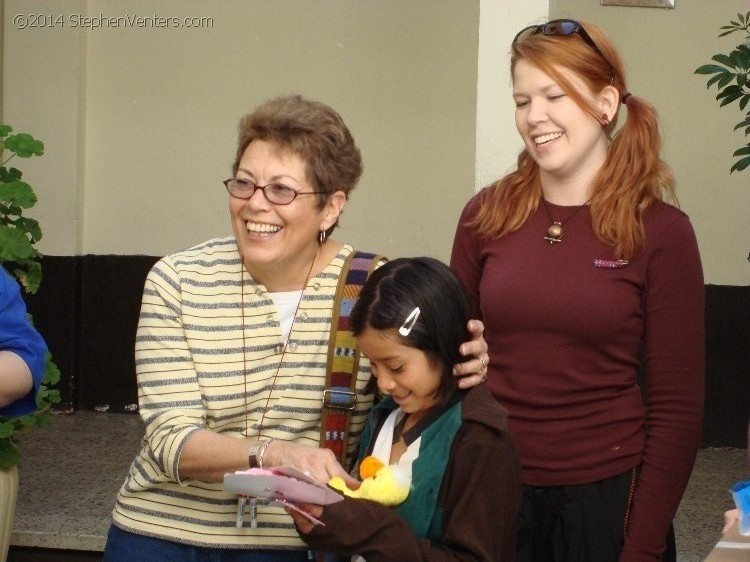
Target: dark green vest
x,y
420,509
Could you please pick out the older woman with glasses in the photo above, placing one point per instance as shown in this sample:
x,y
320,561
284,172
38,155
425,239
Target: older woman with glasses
x,y
583,273
242,352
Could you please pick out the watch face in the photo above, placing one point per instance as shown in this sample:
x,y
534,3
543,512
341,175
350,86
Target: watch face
x,y
252,457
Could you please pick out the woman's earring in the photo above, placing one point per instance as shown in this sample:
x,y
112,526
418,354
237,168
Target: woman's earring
x,y
322,237
604,119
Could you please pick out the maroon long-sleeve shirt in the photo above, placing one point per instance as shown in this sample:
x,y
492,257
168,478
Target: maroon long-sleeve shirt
x,y
566,334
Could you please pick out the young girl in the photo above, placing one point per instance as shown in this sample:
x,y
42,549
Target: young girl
x,y
580,271
465,480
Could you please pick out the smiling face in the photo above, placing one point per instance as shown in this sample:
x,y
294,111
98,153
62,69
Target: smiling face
x,y
279,242
408,374
564,139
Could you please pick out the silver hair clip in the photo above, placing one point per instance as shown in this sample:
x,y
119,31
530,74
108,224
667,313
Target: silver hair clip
x,y
408,324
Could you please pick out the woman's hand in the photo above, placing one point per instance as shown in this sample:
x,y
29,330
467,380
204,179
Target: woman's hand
x,y
320,464
473,371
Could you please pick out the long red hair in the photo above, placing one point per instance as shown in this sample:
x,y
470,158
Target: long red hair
x,y
633,176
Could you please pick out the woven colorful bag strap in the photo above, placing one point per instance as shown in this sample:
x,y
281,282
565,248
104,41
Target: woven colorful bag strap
x,y
339,396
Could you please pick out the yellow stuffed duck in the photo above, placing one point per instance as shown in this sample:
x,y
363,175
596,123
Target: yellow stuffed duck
x,y
385,484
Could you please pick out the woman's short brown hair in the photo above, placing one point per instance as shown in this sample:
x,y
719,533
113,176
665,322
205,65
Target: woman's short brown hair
x,y
312,131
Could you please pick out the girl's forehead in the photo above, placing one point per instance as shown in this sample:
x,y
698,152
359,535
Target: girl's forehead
x,y
381,343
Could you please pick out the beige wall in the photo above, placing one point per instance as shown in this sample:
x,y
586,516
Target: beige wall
x,y
139,124
43,86
497,142
661,49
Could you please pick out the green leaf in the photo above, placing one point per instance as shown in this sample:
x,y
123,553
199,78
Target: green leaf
x,y
709,69
43,419
725,79
731,89
740,164
18,193
713,80
24,145
729,99
743,101
8,175
723,59
6,430
745,150
9,455
48,395
4,130
31,226
737,57
14,244
31,277
51,372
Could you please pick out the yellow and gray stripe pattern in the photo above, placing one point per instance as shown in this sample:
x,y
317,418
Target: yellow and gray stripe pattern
x,y
189,362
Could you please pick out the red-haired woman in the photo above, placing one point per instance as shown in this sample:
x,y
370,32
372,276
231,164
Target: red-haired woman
x,y
581,273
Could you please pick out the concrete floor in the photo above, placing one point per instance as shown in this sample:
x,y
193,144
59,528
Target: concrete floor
x,y
700,516
70,473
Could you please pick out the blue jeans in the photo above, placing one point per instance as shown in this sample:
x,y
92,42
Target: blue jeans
x,y
123,546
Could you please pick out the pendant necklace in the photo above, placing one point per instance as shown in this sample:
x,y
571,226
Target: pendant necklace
x,y
555,230
242,501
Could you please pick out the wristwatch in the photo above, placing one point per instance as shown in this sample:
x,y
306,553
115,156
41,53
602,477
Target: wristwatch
x,y
253,457
257,450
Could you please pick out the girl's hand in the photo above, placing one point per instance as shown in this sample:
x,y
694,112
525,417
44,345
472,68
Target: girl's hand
x,y
304,524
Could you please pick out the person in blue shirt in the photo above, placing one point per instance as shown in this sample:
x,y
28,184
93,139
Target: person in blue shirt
x,y
22,352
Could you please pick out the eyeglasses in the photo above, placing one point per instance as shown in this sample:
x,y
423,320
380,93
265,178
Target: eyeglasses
x,y
276,193
561,28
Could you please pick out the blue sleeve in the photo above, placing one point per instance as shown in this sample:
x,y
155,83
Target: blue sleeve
x,y
19,336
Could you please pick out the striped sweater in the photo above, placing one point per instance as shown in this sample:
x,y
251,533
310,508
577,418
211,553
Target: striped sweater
x,y
192,375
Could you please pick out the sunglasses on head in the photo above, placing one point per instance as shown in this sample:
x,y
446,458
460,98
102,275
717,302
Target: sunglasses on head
x,y
561,28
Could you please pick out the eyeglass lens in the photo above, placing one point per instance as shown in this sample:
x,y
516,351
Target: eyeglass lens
x,y
273,192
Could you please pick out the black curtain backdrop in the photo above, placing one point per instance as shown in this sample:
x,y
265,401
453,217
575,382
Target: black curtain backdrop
x,y
87,310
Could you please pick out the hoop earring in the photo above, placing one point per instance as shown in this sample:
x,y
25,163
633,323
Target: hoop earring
x,y
322,237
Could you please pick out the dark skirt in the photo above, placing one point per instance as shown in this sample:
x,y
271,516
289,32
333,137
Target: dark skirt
x,y
582,523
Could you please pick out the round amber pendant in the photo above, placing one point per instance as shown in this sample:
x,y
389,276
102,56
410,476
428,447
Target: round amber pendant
x,y
555,230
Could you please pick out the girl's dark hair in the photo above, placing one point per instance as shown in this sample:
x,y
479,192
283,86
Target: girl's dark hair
x,y
393,291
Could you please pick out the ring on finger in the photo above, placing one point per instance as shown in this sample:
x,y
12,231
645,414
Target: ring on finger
x,y
483,363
